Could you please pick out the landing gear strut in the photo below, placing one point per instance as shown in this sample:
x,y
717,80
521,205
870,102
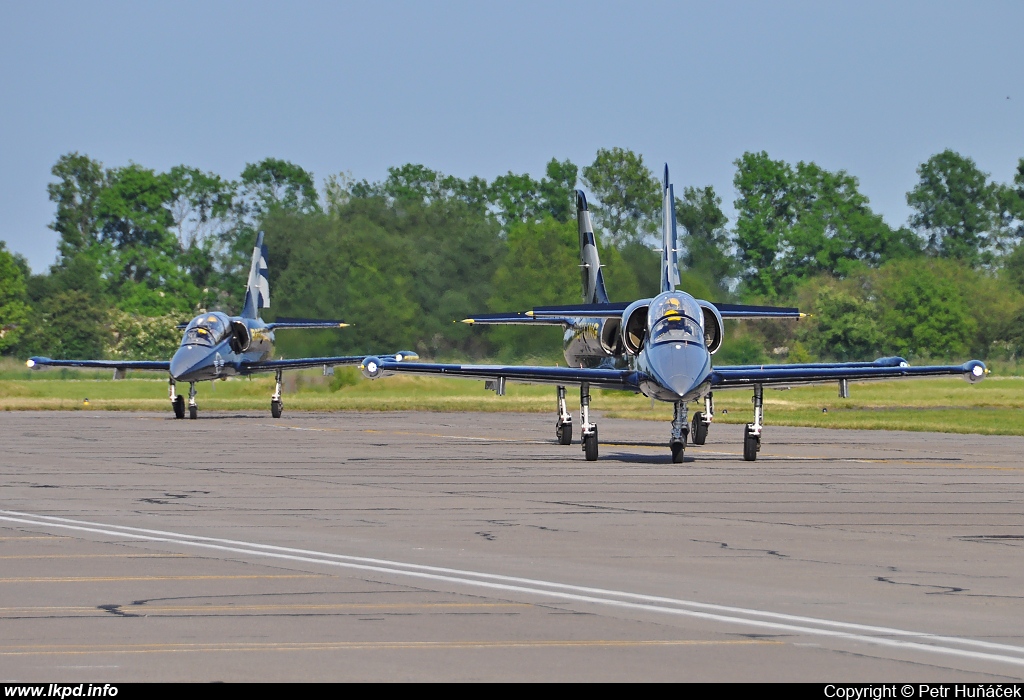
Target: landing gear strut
x,y
677,443
563,426
276,407
588,429
177,400
752,433
193,408
702,421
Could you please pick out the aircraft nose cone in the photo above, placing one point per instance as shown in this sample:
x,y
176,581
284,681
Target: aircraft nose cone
x,y
680,367
185,361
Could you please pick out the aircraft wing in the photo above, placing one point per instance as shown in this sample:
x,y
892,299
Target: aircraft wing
x,y
153,365
742,376
310,362
628,380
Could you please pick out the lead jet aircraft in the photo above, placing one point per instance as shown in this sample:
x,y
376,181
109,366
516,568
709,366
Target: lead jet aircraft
x,y
216,346
660,347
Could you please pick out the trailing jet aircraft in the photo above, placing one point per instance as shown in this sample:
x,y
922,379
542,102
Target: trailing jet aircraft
x,y
660,347
216,346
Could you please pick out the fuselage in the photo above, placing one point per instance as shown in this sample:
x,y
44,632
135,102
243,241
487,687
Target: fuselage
x,y
215,345
673,362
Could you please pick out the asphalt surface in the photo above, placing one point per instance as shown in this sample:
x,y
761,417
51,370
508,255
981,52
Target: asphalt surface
x,y
472,547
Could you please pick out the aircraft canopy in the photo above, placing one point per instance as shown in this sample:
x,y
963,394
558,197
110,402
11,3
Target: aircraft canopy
x,y
207,329
674,317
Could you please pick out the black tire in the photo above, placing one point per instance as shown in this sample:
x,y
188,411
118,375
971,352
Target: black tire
x,y
193,412
590,446
751,443
563,431
699,434
179,406
276,409
678,449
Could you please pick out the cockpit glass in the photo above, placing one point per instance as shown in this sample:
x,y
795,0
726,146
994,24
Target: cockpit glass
x,y
675,318
206,329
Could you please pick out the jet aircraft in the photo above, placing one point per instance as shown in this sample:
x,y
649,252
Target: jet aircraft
x,y
216,346
660,347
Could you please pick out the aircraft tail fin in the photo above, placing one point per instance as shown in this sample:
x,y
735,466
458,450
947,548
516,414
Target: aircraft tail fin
x,y
257,292
669,238
590,264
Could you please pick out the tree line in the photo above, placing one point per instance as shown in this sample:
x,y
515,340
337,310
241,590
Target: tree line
x,y
402,258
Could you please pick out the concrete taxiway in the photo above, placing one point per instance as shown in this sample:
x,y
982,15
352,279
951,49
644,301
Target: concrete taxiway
x,y
430,546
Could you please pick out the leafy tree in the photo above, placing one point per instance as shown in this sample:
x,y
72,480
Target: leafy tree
x,y
794,224
955,209
627,193
201,205
80,181
14,310
539,268
557,190
845,326
922,310
138,337
516,198
705,239
68,325
273,183
765,210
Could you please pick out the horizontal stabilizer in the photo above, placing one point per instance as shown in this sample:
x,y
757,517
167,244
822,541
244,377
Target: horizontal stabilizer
x,y
513,319
749,311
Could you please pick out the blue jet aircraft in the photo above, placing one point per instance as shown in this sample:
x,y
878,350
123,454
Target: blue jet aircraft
x,y
660,347
217,346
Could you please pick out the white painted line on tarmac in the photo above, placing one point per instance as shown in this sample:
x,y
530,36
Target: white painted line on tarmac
x,y
763,619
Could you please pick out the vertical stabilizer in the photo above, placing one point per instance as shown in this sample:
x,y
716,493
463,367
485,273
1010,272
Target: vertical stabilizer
x,y
257,292
590,264
669,239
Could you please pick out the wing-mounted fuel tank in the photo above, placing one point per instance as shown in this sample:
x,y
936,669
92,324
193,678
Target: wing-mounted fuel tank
x,y
633,326
714,329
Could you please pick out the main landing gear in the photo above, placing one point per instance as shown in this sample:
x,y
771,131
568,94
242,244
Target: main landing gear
x,y
752,432
177,401
276,407
563,426
702,421
588,429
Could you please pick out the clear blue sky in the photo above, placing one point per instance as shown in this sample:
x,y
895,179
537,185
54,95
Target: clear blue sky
x,y
481,88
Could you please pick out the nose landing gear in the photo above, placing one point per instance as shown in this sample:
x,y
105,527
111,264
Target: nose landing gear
x,y
677,442
193,407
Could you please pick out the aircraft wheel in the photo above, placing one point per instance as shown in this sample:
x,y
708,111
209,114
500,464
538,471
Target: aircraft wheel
x,y
590,446
276,409
751,444
678,448
193,412
179,406
699,434
563,431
